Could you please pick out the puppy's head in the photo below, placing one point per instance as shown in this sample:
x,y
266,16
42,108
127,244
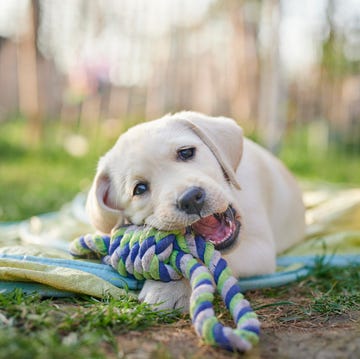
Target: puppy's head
x,y
173,173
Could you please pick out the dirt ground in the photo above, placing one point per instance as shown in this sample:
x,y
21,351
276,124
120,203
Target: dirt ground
x,y
334,337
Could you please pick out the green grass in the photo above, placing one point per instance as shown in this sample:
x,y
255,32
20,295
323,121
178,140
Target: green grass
x,y
332,163
42,179
328,292
334,290
31,327
70,328
37,180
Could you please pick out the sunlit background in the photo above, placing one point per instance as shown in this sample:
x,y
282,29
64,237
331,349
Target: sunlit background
x,y
288,71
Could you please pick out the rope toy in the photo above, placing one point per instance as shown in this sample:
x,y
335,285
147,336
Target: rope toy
x,y
146,253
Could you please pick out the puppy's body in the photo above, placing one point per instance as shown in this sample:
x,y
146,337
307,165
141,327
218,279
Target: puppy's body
x,y
273,212
186,170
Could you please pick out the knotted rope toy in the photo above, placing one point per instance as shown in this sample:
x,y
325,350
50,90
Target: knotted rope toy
x,y
146,253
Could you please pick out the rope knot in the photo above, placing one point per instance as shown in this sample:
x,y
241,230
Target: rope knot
x,y
147,253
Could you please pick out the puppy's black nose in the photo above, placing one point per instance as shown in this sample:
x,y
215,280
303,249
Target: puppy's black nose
x,y
192,200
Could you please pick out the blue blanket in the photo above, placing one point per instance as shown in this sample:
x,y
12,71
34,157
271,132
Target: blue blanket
x,y
34,257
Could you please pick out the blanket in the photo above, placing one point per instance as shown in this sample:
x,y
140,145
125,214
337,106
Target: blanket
x,y
34,253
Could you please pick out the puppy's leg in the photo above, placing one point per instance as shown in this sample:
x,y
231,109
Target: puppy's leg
x,y
170,295
251,259
255,251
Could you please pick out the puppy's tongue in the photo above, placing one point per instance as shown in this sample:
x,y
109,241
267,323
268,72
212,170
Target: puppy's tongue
x,y
212,229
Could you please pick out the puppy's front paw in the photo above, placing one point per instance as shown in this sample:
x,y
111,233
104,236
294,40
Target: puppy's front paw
x,y
170,295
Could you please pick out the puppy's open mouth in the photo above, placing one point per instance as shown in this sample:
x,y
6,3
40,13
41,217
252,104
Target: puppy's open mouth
x,y
221,229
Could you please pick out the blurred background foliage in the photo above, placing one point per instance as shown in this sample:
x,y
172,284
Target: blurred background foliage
x,y
74,74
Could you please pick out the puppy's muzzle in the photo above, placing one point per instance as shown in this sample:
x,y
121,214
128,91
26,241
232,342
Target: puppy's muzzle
x,y
221,229
192,200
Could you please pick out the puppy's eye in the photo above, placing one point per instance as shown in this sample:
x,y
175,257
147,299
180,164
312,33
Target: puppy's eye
x,y
140,189
186,153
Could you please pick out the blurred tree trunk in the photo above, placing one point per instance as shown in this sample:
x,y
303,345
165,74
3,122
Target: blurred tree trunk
x,y
271,115
28,77
242,69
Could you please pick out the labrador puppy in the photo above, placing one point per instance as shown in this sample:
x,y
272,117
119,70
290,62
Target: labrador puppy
x,y
189,170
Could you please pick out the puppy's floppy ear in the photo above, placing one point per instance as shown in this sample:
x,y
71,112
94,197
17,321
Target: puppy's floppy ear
x,y
100,204
223,137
